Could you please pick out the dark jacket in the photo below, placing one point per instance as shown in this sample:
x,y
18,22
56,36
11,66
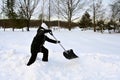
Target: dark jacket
x,y
40,39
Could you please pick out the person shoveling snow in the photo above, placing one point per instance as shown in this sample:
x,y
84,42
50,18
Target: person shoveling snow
x,y
38,44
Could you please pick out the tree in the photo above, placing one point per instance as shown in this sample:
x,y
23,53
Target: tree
x,y
49,12
3,9
111,25
68,9
3,12
27,8
9,11
98,11
100,25
94,14
115,8
85,20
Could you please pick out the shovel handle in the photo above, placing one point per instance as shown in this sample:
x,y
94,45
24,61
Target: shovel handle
x,y
57,40
62,46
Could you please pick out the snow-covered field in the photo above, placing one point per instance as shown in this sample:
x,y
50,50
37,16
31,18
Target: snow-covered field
x,y
99,56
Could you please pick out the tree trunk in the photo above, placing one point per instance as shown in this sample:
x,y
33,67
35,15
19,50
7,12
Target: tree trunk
x,y
94,24
28,24
69,24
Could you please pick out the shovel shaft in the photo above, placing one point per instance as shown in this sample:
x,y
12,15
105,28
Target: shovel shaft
x,y
59,43
62,46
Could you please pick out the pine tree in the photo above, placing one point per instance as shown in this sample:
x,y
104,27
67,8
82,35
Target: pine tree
x,y
85,21
100,25
10,12
9,9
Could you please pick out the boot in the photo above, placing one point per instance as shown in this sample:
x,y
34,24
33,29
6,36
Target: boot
x,y
45,60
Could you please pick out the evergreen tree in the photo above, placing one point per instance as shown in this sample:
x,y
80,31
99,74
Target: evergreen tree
x,y
100,25
10,12
85,20
9,9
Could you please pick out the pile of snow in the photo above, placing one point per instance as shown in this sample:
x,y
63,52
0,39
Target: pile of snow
x,y
99,56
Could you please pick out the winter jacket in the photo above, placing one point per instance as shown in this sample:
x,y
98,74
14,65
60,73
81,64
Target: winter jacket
x,y
40,39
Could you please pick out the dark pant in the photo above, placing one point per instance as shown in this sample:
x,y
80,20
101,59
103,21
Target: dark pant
x,y
34,55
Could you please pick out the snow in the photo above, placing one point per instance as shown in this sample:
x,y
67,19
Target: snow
x,y
99,56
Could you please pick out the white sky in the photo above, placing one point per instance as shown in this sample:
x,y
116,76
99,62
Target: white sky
x,y
38,10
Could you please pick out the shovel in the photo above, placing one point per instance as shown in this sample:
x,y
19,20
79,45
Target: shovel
x,y
68,54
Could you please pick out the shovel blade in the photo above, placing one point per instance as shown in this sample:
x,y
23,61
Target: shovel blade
x,y
69,54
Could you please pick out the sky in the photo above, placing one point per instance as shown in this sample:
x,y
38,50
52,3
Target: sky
x,y
38,10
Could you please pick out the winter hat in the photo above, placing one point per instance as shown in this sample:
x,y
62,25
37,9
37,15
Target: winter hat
x,y
44,26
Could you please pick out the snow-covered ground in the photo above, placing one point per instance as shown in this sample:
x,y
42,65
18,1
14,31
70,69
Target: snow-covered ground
x,y
99,56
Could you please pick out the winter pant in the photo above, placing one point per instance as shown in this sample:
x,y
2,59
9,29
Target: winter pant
x,y
34,55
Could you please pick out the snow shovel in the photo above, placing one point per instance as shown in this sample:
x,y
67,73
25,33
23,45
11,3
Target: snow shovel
x,y
69,54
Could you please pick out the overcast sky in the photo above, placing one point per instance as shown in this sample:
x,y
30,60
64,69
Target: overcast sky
x,y
105,2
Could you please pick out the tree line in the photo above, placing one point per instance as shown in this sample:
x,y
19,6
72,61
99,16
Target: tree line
x,y
18,13
22,23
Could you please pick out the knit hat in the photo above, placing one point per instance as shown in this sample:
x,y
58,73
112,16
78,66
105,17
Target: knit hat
x,y
44,26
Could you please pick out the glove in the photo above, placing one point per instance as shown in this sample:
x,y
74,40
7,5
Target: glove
x,y
57,41
51,33
49,30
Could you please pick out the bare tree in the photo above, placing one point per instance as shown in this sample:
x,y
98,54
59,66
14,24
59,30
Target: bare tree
x,y
27,8
49,12
94,14
8,10
58,12
68,9
43,10
115,8
2,6
98,11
